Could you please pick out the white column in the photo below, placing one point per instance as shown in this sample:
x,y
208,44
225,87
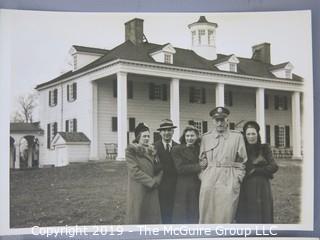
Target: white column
x,y
175,106
17,162
122,114
260,114
220,95
94,155
296,125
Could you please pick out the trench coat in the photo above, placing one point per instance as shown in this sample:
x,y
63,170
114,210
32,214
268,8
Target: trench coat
x,y
142,197
220,180
256,201
167,186
186,202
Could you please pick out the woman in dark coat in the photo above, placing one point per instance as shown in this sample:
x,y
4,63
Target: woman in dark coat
x,y
142,200
186,160
256,202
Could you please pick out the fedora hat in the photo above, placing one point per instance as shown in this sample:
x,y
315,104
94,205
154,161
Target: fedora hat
x,y
166,124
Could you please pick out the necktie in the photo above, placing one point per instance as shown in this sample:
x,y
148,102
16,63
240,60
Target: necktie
x,y
168,147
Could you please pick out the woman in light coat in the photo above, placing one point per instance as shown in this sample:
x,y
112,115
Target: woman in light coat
x,y
143,180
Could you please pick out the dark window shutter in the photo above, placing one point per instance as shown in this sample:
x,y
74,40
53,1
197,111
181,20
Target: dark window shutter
x,y
115,88
230,98
276,136
164,92
276,102
287,136
191,122
191,94
74,85
50,98
55,95
74,125
268,134
204,126
266,101
285,98
232,126
130,89
151,91
48,135
203,100
132,124
68,92
55,129
114,124
67,125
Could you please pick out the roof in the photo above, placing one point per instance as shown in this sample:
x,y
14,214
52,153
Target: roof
x,y
279,66
74,136
221,58
25,127
183,58
90,49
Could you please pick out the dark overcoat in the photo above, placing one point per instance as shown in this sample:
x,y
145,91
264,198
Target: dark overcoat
x,y
167,186
186,202
142,197
256,201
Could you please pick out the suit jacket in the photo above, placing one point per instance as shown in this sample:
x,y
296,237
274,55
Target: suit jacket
x,y
166,161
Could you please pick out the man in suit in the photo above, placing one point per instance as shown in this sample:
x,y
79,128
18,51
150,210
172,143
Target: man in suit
x,y
167,186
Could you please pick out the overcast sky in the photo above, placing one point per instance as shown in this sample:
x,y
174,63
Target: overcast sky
x,y
41,40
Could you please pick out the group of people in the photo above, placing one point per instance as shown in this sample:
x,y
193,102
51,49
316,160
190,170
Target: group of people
x,y
221,177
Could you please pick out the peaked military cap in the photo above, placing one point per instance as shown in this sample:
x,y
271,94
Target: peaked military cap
x,y
219,112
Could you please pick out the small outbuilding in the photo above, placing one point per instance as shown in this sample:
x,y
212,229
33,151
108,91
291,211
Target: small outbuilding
x,y
70,147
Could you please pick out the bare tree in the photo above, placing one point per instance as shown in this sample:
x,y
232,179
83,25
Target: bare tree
x,y
27,103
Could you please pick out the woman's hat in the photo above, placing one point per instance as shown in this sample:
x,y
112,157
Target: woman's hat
x,y
166,124
141,127
191,128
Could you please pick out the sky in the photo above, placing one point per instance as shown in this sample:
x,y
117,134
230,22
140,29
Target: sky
x,y
40,41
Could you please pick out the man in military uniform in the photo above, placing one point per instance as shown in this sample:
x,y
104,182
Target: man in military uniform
x,y
222,157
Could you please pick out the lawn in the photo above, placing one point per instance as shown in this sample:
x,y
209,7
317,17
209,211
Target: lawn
x,y
95,194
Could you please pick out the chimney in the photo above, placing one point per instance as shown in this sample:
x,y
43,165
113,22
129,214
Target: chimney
x,y
134,30
261,52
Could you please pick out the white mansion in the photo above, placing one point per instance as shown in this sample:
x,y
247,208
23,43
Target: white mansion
x,y
108,92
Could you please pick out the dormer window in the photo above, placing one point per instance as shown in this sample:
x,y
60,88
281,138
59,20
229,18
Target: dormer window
x,y
167,58
288,73
75,62
233,67
202,32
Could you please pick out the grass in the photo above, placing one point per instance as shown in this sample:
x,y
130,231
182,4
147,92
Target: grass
x,y
95,194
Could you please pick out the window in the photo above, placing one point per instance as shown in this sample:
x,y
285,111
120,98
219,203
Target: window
x,y
287,73
53,97
282,136
228,98
71,125
233,67
201,34
72,92
232,126
202,126
193,34
197,95
210,37
268,134
131,124
52,129
129,88
280,103
157,91
167,58
266,101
